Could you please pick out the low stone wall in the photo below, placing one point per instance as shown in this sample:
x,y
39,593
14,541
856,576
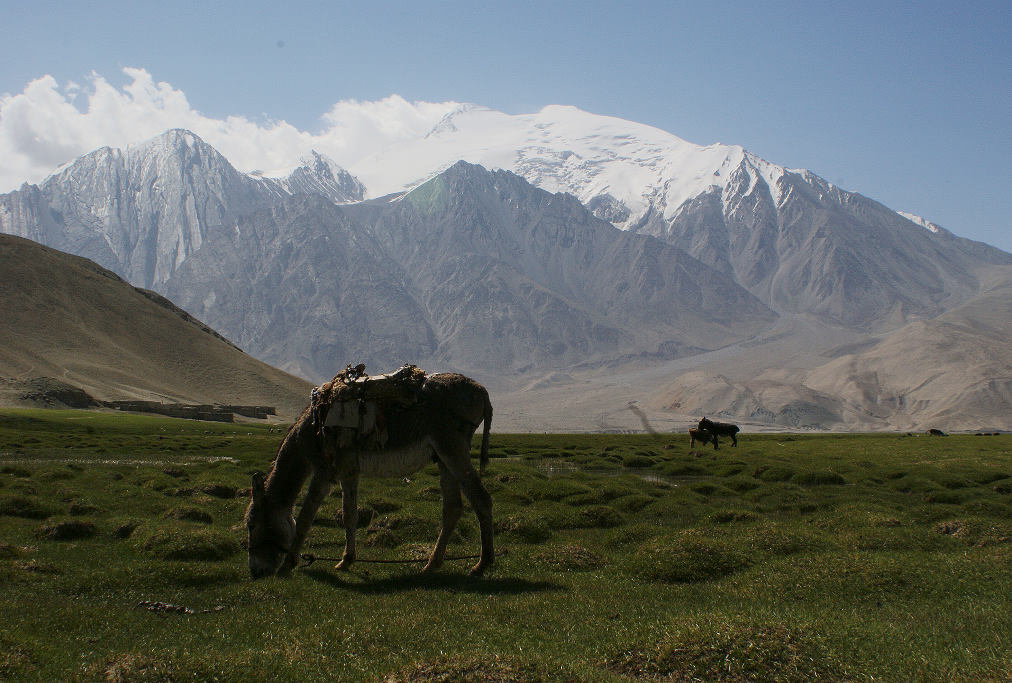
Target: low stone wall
x,y
255,412
211,413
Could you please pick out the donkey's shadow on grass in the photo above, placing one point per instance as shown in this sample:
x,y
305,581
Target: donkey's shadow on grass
x,y
360,582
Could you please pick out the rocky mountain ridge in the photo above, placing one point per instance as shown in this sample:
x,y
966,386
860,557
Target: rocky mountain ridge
x,y
475,270
143,210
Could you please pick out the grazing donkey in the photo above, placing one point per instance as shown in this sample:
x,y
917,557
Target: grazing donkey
x,y
703,436
436,426
720,429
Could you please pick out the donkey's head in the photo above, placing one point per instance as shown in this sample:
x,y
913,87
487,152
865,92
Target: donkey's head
x,y
271,532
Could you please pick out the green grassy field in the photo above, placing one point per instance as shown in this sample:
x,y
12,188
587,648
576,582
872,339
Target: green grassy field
x,y
630,558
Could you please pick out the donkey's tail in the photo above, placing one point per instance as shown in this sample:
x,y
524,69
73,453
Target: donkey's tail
x,y
485,433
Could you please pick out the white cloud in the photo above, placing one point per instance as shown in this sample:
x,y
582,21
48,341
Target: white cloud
x,y
46,126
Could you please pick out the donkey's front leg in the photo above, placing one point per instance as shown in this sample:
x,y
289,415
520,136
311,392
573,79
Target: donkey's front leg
x,y
319,487
349,506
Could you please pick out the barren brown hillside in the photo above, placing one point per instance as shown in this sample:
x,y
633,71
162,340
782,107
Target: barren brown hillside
x,y
64,317
953,372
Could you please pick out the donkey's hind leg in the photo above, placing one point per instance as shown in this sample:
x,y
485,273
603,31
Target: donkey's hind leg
x,y
481,501
452,507
455,453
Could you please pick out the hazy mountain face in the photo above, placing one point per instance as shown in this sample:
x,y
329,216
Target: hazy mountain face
x,y
805,246
474,269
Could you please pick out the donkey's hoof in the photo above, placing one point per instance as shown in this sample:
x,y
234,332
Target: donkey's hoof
x,y
343,565
479,569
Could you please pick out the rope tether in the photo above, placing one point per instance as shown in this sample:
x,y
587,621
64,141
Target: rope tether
x,y
310,558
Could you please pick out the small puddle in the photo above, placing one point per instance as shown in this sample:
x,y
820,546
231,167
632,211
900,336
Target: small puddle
x,y
552,467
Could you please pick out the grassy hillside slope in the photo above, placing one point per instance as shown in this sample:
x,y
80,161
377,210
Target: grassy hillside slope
x,y
67,318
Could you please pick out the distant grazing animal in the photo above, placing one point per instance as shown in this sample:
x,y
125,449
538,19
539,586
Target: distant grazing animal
x,y
702,436
436,426
720,429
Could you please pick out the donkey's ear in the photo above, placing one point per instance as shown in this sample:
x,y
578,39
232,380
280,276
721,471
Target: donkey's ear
x,y
258,486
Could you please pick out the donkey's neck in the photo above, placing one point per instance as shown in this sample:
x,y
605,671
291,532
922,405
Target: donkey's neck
x,y
291,466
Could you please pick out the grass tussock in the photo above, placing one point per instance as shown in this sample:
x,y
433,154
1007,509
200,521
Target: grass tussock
x,y
557,489
819,478
774,473
977,533
223,491
637,461
126,529
632,503
390,531
186,543
524,527
382,506
37,567
83,508
9,552
735,653
570,558
62,474
598,517
25,506
494,669
189,513
127,667
135,667
71,530
17,662
731,516
688,557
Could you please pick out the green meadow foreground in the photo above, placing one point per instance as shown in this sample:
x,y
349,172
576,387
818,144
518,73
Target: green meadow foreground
x,y
629,558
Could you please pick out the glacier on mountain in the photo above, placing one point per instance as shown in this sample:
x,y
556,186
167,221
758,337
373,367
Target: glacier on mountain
x,y
603,161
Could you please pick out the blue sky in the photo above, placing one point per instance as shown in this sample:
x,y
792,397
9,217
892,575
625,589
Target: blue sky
x,y
908,103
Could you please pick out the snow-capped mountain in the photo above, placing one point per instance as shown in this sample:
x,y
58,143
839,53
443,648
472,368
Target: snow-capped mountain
x,y
574,243
143,210
623,170
320,175
797,242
